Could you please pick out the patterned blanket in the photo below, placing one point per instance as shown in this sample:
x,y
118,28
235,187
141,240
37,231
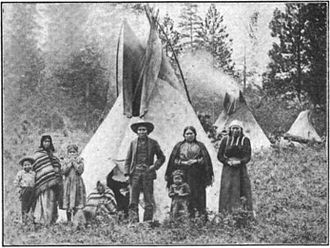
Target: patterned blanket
x,y
105,201
48,172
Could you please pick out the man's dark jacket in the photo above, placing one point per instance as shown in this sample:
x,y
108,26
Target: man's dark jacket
x,y
153,149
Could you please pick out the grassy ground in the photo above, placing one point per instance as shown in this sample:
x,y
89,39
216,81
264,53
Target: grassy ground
x,y
290,194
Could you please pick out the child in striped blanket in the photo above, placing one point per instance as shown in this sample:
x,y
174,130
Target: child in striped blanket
x,y
25,181
100,204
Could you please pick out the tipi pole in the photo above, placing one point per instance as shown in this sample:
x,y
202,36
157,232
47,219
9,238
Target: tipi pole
x,y
117,58
176,60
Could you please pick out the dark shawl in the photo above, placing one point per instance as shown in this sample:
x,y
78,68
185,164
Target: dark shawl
x,y
207,173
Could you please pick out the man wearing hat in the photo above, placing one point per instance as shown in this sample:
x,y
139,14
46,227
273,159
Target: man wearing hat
x,y
25,181
141,168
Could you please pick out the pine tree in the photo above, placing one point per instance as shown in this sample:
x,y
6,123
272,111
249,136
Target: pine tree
x,y
23,57
251,46
23,66
316,51
254,42
189,25
288,58
298,66
84,76
214,38
171,37
74,63
65,31
67,39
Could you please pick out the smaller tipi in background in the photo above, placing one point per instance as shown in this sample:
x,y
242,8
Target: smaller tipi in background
x,y
237,109
302,129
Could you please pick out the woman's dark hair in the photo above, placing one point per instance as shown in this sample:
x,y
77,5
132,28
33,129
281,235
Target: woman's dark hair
x,y
43,138
190,128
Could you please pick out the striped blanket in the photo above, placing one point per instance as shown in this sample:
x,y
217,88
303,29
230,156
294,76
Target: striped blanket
x,y
48,172
101,202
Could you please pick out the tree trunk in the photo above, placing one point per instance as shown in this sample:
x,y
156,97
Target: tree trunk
x,y
244,72
87,91
299,60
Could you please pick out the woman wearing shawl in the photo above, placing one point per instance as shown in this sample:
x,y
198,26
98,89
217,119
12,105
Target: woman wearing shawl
x,y
192,157
234,153
48,183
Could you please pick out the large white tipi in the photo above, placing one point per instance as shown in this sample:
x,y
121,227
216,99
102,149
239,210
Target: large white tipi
x,y
237,109
162,101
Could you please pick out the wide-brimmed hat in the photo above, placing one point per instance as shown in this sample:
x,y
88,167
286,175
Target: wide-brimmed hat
x,y
236,123
150,127
27,158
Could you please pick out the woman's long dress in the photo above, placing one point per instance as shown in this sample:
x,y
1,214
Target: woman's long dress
x,y
48,187
235,191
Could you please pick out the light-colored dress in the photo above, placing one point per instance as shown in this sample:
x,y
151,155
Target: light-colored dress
x,y
74,194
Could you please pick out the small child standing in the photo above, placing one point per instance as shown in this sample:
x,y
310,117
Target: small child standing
x,y
74,192
179,192
25,181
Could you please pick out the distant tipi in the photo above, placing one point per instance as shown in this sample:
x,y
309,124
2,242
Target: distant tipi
x,y
237,109
150,91
302,128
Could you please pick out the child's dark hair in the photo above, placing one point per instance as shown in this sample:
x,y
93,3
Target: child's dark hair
x,y
43,138
178,173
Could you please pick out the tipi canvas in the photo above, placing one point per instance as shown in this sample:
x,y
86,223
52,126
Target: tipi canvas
x,y
238,109
162,101
303,128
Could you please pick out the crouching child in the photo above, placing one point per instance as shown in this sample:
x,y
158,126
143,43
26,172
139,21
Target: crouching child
x,y
179,192
25,181
118,184
101,204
